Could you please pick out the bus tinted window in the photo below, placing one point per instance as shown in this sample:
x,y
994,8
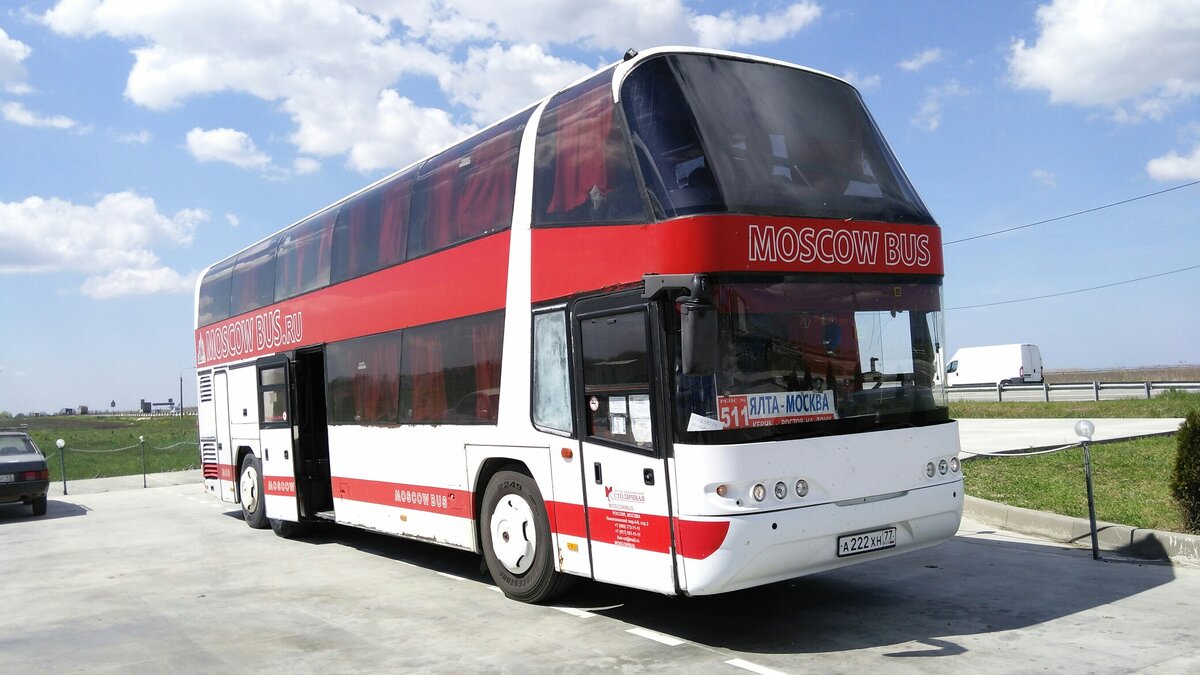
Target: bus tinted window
x,y
372,229
584,173
468,190
302,262
214,294
451,371
253,283
363,380
806,147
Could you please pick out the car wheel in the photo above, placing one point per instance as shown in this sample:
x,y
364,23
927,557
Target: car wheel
x,y
516,539
39,505
250,493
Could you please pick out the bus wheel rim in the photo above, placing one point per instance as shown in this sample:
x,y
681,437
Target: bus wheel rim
x,y
249,489
514,534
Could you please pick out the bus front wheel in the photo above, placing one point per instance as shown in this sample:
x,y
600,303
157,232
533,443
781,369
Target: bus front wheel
x,y
250,493
516,539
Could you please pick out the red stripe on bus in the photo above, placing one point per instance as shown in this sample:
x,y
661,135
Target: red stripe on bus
x,y
283,486
567,519
416,497
642,531
226,471
699,539
568,260
468,279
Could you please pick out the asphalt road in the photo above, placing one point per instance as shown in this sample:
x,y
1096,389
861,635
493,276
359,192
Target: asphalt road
x,y
168,580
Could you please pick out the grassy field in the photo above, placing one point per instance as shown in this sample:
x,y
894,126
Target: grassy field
x,y
1179,373
1169,404
91,439
1130,481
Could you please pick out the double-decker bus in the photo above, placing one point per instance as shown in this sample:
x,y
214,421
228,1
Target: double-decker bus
x,y
675,327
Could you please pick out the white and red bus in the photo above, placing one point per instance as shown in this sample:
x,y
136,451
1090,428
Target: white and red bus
x,y
676,327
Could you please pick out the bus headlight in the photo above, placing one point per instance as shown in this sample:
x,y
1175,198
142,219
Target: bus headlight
x,y
954,464
930,470
722,490
801,488
942,467
780,490
759,492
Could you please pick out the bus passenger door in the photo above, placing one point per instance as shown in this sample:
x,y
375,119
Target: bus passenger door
x,y
625,477
275,438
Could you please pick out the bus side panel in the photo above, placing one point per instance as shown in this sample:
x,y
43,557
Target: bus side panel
x,y
558,480
243,409
406,480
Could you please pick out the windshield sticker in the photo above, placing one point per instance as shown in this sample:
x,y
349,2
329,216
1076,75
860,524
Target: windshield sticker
x,y
699,423
769,410
616,405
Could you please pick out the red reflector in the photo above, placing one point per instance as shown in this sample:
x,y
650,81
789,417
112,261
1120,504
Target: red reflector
x,y
567,453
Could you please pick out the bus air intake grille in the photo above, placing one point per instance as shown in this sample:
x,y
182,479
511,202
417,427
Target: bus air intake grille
x,y
208,459
206,389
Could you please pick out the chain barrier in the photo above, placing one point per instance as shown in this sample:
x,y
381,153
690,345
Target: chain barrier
x,y
61,453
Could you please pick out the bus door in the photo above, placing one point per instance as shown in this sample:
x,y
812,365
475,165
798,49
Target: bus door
x,y
621,448
276,438
313,482
226,470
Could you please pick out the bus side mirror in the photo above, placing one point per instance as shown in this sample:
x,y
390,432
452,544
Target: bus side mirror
x,y
698,335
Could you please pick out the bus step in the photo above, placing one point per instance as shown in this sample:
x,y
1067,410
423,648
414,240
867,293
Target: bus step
x,y
325,515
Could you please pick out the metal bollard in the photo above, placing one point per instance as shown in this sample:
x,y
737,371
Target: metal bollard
x,y
62,462
142,442
1084,430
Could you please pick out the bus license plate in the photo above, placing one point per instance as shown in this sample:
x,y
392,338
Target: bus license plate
x,y
853,544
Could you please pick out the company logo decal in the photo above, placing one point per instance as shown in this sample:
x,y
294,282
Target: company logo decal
x,y
261,332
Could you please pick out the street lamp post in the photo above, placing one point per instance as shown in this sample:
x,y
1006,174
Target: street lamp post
x,y
1084,430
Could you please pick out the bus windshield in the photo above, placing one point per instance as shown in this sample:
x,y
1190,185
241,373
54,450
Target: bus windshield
x,y
720,135
803,357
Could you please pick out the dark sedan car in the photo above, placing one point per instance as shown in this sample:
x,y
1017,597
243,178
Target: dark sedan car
x,y
24,476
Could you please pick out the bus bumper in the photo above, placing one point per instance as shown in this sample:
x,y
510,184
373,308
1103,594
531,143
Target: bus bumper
x,y
770,547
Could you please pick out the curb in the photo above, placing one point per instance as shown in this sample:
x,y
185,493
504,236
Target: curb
x,y
1135,541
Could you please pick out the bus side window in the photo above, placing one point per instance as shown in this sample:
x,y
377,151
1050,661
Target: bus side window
x,y
253,283
584,173
551,380
302,262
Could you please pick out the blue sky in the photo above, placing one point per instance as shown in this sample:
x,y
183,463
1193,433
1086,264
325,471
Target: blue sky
x,y
140,142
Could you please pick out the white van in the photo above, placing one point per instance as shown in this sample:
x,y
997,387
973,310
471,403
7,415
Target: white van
x,y
995,364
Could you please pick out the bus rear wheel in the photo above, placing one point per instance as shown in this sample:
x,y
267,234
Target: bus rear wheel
x,y
516,539
250,493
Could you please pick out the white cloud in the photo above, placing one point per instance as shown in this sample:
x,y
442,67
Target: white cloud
x,y
142,137
929,115
233,220
862,82
17,113
729,29
113,239
496,82
302,166
1045,177
353,74
1173,167
226,145
1140,59
919,61
123,282
12,70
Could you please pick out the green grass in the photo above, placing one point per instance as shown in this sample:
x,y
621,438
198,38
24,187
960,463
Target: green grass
x,y
1169,404
89,439
1130,480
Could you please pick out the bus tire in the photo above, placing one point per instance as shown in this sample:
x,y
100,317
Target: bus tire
x,y
250,493
516,539
288,529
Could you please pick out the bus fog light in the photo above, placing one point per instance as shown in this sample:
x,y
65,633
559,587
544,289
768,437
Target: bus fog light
x,y
942,467
780,490
801,488
954,464
760,492
930,470
722,490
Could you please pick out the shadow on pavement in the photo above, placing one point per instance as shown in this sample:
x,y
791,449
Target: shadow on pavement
x,y
11,513
965,586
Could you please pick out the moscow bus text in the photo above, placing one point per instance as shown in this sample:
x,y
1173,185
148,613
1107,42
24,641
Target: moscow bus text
x,y
676,327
